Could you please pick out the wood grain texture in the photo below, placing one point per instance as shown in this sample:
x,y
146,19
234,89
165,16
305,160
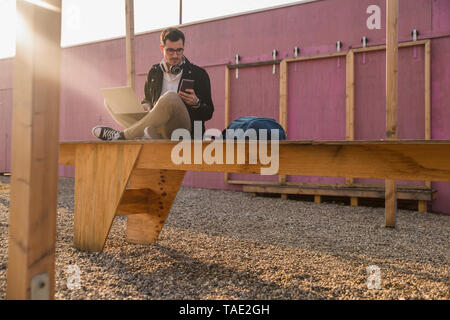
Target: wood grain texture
x,y
408,160
102,172
283,105
163,185
227,109
134,202
318,198
391,100
129,43
422,206
390,203
428,95
35,132
350,100
403,193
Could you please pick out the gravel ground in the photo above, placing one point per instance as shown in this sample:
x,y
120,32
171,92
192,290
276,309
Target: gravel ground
x,y
229,245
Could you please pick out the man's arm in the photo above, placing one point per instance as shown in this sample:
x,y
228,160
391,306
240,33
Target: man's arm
x,y
205,109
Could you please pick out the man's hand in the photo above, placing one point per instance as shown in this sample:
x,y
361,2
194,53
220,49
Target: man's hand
x,y
189,97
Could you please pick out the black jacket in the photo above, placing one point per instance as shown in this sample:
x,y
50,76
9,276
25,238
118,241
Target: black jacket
x,y
202,88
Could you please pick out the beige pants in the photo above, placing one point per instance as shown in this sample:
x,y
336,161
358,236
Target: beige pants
x,y
168,114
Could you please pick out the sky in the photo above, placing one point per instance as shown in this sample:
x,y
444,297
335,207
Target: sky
x,y
92,20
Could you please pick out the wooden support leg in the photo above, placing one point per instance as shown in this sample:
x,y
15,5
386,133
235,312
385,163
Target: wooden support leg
x,y
354,201
318,199
390,203
102,172
422,206
144,228
284,196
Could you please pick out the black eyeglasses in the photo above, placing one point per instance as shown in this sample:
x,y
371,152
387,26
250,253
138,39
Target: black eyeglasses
x,y
172,51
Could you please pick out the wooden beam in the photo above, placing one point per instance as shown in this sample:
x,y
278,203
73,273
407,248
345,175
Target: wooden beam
x,y
254,64
343,191
400,160
350,96
130,51
319,56
428,96
391,99
283,104
350,100
35,135
134,202
383,47
144,228
227,109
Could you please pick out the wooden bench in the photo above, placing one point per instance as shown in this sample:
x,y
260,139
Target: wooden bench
x,y
421,194
139,179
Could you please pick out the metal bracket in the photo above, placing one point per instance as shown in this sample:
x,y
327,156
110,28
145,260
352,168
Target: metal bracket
x,y
364,41
414,34
338,46
274,57
40,287
238,58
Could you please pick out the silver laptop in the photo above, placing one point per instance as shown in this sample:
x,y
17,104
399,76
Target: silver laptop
x,y
122,100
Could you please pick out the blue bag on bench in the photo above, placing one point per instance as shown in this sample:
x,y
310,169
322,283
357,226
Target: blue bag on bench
x,y
256,123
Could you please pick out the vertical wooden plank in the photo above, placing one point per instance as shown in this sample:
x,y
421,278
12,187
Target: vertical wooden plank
x,y
422,206
354,201
35,133
350,96
350,100
391,101
428,96
283,104
130,52
163,186
318,199
428,90
227,107
102,172
181,12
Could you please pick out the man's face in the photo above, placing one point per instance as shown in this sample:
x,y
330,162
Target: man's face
x,y
173,52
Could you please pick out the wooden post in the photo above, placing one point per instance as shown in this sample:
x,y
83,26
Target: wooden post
x,y
283,104
227,107
391,101
423,206
181,12
350,100
130,53
35,134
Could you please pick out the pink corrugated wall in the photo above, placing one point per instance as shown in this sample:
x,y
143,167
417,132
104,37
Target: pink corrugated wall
x,y
316,107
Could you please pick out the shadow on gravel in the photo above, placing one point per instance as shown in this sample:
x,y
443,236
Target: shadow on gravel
x,y
197,279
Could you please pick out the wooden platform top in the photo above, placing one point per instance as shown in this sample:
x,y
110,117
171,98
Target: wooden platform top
x,y
402,159
282,142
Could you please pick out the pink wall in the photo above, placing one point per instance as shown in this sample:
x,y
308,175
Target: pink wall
x,y
316,102
6,84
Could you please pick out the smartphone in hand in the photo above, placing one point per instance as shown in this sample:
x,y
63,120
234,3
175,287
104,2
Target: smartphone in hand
x,y
186,84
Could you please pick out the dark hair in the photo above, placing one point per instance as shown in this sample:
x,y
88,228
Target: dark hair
x,y
172,34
